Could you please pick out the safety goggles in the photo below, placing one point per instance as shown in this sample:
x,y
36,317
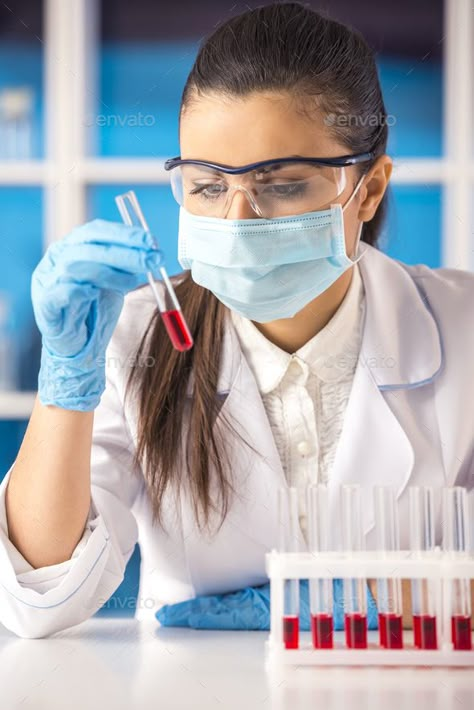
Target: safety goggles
x,y
274,188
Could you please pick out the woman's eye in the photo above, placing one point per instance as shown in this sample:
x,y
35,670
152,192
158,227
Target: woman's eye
x,y
286,190
209,192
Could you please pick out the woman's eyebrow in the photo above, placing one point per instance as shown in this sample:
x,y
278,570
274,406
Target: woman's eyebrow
x,y
269,168
277,165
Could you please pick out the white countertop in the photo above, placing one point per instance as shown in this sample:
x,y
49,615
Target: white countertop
x,y
123,663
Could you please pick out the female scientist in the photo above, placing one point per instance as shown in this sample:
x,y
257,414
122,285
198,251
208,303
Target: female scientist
x,y
316,357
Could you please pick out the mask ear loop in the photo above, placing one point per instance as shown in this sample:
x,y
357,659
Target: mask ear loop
x,y
356,247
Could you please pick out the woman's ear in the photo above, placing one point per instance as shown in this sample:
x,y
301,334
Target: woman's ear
x,y
374,186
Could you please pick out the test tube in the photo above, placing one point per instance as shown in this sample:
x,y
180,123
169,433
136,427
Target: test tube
x,y
288,542
421,502
168,304
456,541
389,592
320,589
355,602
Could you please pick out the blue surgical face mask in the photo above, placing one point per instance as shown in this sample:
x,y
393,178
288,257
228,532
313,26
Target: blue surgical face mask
x,y
266,269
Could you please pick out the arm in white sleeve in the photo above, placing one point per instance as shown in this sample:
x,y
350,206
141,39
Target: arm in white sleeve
x,y
37,602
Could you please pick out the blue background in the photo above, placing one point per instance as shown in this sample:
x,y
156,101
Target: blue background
x,y
149,78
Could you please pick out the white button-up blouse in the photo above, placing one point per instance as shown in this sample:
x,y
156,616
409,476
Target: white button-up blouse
x,y
305,393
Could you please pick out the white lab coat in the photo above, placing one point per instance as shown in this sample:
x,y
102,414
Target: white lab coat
x,y
409,420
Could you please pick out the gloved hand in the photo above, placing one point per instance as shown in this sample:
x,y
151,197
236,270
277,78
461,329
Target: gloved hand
x,y
77,291
249,608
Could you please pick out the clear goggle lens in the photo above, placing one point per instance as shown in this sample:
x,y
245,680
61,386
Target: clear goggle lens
x,y
276,190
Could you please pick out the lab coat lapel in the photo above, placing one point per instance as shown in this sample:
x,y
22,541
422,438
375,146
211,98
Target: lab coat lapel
x,y
400,350
373,449
401,343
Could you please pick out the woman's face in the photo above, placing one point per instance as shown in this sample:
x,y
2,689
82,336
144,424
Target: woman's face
x,y
264,126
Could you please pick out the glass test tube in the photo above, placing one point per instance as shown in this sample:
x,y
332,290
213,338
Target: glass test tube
x,y
288,542
168,304
456,541
421,501
389,591
320,589
355,601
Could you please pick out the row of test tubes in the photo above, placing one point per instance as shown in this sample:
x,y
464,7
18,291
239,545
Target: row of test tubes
x,y
424,595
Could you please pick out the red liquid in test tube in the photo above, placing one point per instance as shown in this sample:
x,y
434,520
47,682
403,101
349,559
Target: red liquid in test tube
x,y
177,329
389,594
456,543
168,304
390,630
291,631
320,589
355,600
355,626
461,632
322,630
288,543
422,541
424,631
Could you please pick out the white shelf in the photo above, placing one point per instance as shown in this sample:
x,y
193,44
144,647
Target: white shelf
x,y
123,170
148,171
16,404
23,172
422,170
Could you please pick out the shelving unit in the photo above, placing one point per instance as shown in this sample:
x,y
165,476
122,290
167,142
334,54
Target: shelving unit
x,y
72,33
16,405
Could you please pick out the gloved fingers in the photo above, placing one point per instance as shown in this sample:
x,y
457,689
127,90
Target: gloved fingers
x,y
106,266
338,605
247,608
305,612
64,335
198,605
185,614
61,297
64,310
70,316
181,613
372,612
261,609
109,307
339,608
230,619
174,614
95,317
105,232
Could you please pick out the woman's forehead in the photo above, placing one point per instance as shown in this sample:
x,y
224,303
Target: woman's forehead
x,y
250,129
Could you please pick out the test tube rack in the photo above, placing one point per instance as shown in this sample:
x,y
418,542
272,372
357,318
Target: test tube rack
x,y
437,565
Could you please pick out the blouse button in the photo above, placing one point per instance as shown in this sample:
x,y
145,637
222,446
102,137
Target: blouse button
x,y
303,447
294,366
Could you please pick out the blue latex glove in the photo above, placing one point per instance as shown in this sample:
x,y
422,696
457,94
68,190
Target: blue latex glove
x,y
249,608
77,291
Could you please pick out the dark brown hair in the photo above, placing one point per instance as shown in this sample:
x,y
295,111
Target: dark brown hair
x,y
283,47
